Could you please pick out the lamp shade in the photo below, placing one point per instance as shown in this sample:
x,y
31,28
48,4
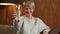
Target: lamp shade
x,y
8,2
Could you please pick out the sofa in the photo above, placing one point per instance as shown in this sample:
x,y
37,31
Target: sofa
x,y
55,31
5,29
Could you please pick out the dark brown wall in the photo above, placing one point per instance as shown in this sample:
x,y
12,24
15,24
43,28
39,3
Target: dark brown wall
x,y
2,14
48,11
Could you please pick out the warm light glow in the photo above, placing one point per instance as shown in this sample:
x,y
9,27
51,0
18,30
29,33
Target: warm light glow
x,y
7,4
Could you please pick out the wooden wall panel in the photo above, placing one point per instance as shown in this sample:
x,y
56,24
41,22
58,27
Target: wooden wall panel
x,y
10,15
2,15
6,14
48,11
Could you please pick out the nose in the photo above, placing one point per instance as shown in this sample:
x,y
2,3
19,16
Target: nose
x,y
28,9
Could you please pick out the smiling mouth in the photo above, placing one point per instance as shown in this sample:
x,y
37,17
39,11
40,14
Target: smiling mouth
x,y
27,12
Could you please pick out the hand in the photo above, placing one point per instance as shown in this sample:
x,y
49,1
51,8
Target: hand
x,y
16,19
44,32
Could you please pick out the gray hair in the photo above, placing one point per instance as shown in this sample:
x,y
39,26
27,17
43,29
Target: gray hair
x,y
29,4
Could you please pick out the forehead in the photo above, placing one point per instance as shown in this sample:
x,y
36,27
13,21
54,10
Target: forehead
x,y
29,7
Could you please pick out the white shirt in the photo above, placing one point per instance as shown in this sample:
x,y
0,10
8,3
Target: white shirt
x,y
31,26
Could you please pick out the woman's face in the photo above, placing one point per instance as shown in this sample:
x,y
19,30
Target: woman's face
x,y
29,10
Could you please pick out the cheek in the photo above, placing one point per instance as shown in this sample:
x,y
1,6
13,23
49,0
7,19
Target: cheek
x,y
31,11
25,10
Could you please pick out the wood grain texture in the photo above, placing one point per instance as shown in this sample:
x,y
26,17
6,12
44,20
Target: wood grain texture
x,y
48,11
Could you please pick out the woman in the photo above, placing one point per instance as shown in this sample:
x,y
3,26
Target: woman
x,y
28,24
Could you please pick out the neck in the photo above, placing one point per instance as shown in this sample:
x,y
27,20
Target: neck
x,y
29,16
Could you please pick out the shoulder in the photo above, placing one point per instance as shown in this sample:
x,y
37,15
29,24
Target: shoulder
x,y
21,17
38,19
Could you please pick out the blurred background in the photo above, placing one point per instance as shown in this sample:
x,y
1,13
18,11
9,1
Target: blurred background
x,y
47,10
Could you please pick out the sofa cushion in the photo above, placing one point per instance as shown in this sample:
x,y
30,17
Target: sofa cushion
x,y
55,31
5,29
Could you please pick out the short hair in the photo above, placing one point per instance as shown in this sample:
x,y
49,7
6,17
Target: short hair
x,y
29,4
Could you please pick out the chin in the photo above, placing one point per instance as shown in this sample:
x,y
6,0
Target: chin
x,y
27,14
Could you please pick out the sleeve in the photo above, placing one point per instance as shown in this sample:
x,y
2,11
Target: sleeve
x,y
43,26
